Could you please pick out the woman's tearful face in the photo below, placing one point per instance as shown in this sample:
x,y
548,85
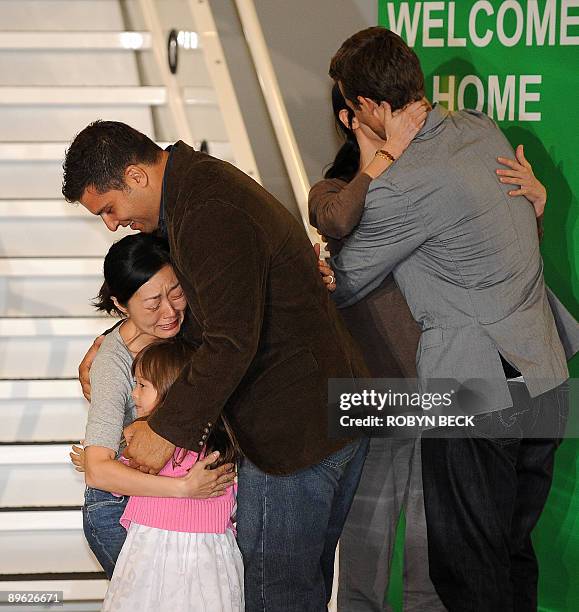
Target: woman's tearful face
x,y
158,307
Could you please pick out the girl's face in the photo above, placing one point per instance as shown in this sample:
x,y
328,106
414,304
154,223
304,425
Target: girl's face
x,y
157,308
144,395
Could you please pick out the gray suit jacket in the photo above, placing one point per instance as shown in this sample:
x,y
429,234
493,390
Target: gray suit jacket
x,y
465,255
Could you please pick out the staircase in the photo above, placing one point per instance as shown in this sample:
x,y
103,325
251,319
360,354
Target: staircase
x,y
64,63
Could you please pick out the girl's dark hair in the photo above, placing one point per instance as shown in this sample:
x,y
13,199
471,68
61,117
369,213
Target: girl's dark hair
x,y
347,160
161,363
129,264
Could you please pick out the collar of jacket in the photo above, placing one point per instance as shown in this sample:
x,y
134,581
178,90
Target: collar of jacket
x,y
433,123
177,176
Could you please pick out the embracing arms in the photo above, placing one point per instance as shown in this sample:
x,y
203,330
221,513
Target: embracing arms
x,y
111,389
385,236
335,206
230,288
103,471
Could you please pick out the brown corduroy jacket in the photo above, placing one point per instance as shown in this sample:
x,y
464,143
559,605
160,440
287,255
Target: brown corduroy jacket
x,y
269,335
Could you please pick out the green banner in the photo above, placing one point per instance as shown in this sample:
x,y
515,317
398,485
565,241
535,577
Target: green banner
x,y
517,61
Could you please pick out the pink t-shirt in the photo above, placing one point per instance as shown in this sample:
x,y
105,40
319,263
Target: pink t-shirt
x,y
211,515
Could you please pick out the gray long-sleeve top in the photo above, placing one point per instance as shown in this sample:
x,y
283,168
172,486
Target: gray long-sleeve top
x,y
111,407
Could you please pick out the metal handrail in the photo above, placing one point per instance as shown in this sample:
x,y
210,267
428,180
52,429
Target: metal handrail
x,y
226,96
277,110
175,100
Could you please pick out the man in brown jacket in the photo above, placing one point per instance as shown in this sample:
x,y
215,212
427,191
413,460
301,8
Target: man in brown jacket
x,y
268,338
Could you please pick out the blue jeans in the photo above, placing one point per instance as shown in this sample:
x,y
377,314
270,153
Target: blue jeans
x,y
288,529
105,535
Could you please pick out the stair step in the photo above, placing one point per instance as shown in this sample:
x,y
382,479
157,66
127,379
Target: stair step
x,y
110,96
76,591
41,411
76,41
52,483
46,347
50,209
45,520
73,232
66,327
34,542
43,420
60,124
48,266
34,454
55,151
38,475
39,389
46,295
63,15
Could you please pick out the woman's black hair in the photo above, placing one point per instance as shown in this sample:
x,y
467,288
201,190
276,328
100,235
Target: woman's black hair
x,y
347,160
129,264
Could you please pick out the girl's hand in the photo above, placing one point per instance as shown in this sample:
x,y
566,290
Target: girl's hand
x,y
520,173
203,483
401,126
77,456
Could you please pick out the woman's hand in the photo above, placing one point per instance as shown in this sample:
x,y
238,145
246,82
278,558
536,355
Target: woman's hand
x,y
401,126
327,273
520,173
77,456
369,142
202,483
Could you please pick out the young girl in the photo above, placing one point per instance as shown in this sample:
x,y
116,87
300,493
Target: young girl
x,y
180,553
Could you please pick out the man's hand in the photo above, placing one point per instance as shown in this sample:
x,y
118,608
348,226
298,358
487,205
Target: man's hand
x,y
327,273
147,451
201,482
85,365
521,173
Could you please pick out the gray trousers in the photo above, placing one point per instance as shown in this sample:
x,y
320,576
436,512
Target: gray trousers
x,y
391,480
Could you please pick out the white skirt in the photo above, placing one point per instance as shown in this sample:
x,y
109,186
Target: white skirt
x,y
171,571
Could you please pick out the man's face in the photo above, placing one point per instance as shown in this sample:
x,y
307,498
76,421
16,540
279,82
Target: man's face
x,y
365,114
137,205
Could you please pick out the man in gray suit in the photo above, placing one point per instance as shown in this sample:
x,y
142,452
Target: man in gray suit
x,y
468,263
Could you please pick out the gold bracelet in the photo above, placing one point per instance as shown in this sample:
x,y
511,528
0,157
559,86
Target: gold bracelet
x,y
382,153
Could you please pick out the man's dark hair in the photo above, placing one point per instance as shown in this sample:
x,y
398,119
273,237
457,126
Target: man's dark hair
x,y
99,156
376,63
